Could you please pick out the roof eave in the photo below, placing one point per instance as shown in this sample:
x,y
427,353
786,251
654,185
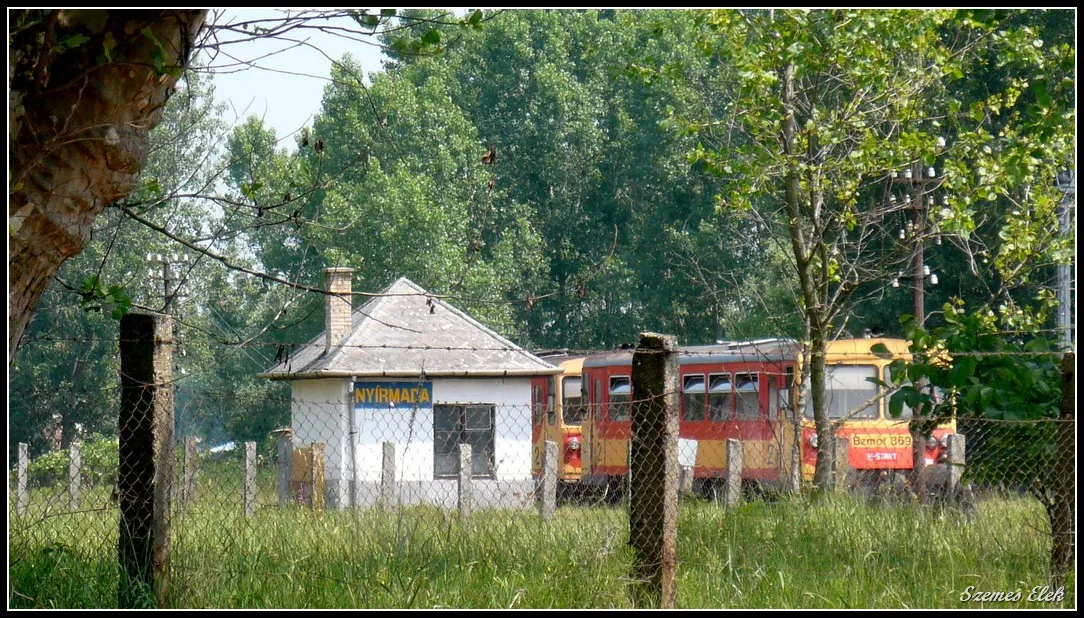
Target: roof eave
x,y
330,373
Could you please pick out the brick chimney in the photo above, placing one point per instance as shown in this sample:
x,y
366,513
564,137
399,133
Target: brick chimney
x,y
338,306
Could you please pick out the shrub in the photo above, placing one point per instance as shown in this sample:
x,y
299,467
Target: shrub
x,y
100,460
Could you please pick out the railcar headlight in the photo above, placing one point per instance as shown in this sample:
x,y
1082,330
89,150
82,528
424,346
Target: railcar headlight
x,y
574,443
944,441
931,443
813,441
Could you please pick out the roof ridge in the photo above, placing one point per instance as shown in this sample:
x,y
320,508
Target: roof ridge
x,y
492,333
406,322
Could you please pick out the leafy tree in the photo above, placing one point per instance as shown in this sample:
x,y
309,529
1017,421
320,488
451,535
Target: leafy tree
x,y
842,99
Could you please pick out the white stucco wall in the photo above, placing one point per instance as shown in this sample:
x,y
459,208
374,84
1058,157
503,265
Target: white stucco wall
x,y
320,414
321,409
412,429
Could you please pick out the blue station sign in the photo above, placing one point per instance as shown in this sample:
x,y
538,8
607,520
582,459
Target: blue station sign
x,y
388,395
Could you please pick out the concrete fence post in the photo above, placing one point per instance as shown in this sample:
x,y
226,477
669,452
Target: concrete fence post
x,y
735,462
75,475
21,496
387,477
286,459
653,482
547,504
685,479
957,449
250,479
146,458
465,493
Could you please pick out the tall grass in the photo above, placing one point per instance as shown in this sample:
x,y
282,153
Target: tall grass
x,y
834,553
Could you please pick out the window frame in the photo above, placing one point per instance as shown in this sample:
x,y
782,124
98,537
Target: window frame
x,y
625,405
461,431
686,394
728,397
737,392
577,398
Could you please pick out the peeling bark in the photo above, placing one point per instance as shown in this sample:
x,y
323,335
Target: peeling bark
x,y
86,88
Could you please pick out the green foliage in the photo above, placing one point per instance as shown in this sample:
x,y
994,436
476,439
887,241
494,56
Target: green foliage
x,y
989,376
100,456
95,297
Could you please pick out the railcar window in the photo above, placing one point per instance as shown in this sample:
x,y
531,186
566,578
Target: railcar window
x,y
789,392
537,407
719,397
572,408
620,398
747,396
598,401
773,395
694,397
846,389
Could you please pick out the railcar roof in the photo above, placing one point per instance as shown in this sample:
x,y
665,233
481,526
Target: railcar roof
x,y
763,350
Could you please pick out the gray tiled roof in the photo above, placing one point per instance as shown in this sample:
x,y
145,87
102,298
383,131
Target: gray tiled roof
x,y
405,333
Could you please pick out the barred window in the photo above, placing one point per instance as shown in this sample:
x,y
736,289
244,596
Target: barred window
x,y
455,424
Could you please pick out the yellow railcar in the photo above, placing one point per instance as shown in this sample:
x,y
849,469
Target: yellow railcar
x,y
558,417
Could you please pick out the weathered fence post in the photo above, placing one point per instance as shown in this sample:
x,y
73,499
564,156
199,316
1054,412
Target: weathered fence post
x,y
250,479
21,497
957,445
75,474
465,493
145,473
286,459
653,484
841,462
735,461
387,477
547,482
1062,515
318,483
188,487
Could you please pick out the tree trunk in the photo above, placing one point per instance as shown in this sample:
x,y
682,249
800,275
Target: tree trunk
x,y
86,88
822,473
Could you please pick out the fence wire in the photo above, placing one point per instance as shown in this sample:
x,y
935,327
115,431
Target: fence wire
x,y
386,493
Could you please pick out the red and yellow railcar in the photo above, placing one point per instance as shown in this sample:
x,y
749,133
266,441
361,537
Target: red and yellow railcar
x,y
746,390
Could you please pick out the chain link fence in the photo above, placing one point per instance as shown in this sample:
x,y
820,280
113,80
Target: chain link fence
x,y
375,494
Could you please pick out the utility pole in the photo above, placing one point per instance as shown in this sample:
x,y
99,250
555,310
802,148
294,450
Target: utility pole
x,y
165,261
1066,181
918,185
169,307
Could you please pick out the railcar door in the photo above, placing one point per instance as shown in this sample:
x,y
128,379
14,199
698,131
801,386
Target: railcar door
x,y
614,425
